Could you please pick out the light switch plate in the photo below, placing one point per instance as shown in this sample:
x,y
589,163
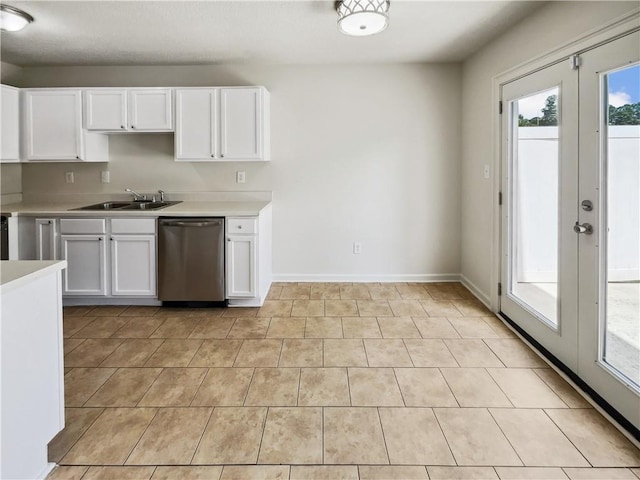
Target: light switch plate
x,y
487,171
105,177
240,177
68,177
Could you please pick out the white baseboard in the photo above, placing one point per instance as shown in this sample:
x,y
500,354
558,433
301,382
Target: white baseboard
x,y
381,278
479,294
80,301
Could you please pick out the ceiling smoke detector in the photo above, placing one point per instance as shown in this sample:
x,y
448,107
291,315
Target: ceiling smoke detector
x,y
360,18
13,19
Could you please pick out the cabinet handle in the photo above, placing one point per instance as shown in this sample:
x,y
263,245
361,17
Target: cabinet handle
x,y
213,155
77,157
50,222
228,239
239,227
122,127
222,155
99,239
133,126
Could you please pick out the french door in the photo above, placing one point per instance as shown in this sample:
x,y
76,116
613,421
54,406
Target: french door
x,y
570,269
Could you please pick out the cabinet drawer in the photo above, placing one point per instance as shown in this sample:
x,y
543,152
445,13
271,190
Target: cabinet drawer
x,y
242,225
82,225
133,225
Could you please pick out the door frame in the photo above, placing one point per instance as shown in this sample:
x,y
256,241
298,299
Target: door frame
x,y
616,28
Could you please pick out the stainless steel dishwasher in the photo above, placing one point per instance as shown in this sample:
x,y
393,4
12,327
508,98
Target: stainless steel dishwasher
x,y
191,259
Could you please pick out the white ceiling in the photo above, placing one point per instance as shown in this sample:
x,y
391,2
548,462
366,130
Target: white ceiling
x,y
271,31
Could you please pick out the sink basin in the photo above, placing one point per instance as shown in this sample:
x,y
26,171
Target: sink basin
x,y
127,206
105,206
148,205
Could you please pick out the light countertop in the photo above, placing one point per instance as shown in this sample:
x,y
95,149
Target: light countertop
x,y
19,272
183,209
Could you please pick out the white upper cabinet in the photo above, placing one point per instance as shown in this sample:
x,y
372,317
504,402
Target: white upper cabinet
x,y
10,126
241,124
128,109
196,124
150,109
105,109
52,129
53,125
222,124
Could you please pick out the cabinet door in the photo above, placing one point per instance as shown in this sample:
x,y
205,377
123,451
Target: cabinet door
x,y
10,140
46,239
150,109
86,265
241,128
196,124
105,109
133,265
53,125
241,266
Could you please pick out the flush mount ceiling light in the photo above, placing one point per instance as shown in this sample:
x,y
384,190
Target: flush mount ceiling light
x,y
360,18
13,19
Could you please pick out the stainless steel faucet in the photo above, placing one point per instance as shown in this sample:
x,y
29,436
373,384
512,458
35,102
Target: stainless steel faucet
x,y
136,196
161,192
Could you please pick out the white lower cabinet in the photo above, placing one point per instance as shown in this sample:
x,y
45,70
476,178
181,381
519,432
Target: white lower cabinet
x,y
241,266
133,265
248,259
46,239
87,265
127,268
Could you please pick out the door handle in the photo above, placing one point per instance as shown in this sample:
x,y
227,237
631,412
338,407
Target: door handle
x,y
585,228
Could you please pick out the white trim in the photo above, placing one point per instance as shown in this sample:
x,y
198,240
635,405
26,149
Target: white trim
x,y
364,278
479,294
618,26
120,300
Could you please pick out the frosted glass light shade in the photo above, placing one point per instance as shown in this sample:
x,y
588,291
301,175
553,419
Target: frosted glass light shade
x,y
13,19
361,18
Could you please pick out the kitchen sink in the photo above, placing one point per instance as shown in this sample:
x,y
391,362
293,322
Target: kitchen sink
x,y
127,206
105,206
148,205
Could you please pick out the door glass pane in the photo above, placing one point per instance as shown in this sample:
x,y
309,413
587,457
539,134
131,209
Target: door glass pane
x,y
622,222
534,214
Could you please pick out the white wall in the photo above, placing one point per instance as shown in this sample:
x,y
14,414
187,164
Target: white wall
x,y
554,25
359,153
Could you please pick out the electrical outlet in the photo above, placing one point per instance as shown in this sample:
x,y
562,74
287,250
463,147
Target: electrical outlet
x,y
68,177
487,171
105,177
240,177
357,248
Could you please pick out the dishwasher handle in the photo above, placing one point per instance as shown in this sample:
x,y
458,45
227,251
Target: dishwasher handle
x,y
192,223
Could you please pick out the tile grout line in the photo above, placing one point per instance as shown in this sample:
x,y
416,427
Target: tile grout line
x,y
83,433
449,349
486,369
264,424
195,451
444,436
506,438
384,438
449,387
142,435
565,435
246,394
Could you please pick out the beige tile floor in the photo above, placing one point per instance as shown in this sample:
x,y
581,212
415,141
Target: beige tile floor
x,y
325,381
